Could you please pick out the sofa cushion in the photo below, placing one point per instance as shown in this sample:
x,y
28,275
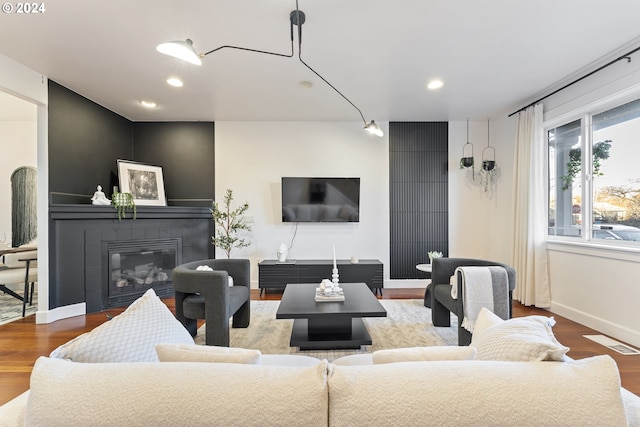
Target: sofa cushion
x,y
206,353
14,260
65,393
519,339
416,354
478,393
129,337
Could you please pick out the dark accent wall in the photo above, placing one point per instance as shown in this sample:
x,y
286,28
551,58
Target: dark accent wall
x,y
418,199
186,152
84,141
87,139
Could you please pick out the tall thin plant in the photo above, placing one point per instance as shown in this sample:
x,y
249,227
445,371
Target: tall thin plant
x,y
228,224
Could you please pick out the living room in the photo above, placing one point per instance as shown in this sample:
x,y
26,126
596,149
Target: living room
x,y
251,155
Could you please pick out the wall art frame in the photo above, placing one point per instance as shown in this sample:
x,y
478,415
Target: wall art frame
x,y
144,182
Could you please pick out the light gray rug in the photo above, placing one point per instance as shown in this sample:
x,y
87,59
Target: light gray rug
x,y
408,324
11,308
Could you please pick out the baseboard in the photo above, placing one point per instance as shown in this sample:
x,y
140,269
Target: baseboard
x,y
611,329
49,316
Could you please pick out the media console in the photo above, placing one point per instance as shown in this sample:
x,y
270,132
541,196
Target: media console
x,y
276,275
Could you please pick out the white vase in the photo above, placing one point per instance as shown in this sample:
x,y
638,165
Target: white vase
x,y
282,253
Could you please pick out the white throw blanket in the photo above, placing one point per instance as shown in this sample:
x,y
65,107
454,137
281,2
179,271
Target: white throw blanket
x,y
482,287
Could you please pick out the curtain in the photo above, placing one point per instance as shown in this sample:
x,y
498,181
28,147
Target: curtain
x,y
530,217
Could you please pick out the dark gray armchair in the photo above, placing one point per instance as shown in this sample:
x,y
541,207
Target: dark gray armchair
x,y
207,295
438,293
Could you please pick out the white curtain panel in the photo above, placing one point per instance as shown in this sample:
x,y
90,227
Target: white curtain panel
x,y
530,217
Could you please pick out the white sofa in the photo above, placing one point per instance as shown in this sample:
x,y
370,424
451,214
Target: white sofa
x,y
142,368
297,390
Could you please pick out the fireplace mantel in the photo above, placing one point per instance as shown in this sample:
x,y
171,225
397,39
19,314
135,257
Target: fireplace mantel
x,y
62,211
77,234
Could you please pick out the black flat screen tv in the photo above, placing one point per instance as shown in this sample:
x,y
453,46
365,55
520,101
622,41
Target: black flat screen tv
x,y
320,199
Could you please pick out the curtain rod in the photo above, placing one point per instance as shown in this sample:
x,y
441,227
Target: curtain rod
x,y
626,56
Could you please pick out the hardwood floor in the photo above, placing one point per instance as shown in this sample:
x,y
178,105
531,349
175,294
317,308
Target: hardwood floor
x,y
22,341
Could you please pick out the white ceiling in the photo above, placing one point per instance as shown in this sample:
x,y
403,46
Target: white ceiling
x,y
493,56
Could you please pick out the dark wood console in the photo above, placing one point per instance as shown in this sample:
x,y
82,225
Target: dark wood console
x,y
275,275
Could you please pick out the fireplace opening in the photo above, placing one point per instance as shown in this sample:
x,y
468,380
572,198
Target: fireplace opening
x,y
136,266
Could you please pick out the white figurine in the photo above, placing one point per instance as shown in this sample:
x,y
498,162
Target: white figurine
x,y
282,253
99,198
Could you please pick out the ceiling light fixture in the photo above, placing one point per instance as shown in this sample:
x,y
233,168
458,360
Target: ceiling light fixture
x,y
148,104
175,82
184,50
435,84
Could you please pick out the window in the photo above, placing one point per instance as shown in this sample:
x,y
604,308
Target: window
x,y
594,178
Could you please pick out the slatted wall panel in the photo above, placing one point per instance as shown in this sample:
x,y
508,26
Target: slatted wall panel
x,y
418,187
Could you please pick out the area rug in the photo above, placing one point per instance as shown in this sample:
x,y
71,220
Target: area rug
x,y
408,324
11,308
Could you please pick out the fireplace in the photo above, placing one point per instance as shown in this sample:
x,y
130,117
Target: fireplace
x,y
80,237
134,266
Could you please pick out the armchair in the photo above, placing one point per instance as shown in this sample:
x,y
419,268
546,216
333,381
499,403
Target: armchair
x,y
207,295
438,293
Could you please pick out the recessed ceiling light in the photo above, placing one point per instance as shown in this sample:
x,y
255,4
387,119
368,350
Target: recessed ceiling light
x,y
148,104
435,84
174,81
305,84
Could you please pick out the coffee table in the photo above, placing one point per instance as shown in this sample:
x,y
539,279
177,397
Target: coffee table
x,y
329,325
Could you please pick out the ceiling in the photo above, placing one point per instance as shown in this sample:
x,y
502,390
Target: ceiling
x,y
493,56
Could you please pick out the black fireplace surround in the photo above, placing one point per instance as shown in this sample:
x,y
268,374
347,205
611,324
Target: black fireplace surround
x,y
84,239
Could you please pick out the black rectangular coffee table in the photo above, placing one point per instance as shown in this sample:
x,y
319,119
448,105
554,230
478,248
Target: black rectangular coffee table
x,y
329,325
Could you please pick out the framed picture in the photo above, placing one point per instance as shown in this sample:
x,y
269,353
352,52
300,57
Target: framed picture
x,y
144,182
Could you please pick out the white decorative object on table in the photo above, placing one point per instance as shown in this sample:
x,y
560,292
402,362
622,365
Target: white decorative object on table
x,y
334,275
328,291
434,254
282,252
99,198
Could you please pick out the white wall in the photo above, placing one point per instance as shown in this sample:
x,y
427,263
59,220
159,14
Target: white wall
x,y
19,148
480,224
251,158
31,86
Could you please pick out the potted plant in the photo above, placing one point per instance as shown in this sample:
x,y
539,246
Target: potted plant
x,y
434,254
488,169
466,161
123,202
228,224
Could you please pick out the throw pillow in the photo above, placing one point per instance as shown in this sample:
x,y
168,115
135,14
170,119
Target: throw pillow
x,y
129,337
417,354
205,353
518,339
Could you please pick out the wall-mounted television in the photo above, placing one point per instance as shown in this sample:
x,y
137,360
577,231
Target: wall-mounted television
x,y
320,199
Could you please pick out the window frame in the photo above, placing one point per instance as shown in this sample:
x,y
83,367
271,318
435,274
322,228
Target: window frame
x,y
585,114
